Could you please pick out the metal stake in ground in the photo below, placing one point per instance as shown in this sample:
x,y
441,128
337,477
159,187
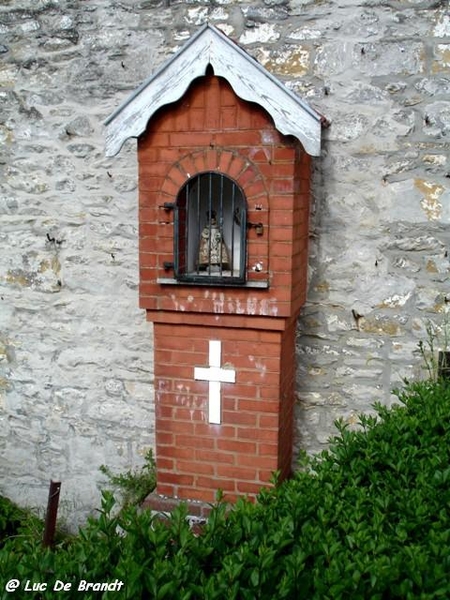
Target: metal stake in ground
x,y
52,510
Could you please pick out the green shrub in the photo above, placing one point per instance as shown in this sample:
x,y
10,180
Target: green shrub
x,y
367,519
136,484
15,521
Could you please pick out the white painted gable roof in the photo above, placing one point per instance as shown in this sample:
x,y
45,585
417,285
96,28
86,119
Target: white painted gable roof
x,y
249,80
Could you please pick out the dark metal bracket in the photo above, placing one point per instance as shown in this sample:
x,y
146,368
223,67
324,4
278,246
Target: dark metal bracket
x,y
167,206
258,227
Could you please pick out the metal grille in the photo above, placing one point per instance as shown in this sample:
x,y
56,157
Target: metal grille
x,y
210,230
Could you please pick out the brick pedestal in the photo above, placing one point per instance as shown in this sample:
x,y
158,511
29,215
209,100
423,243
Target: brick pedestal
x,y
196,458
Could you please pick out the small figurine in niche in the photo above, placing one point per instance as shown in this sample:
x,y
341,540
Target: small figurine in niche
x,y
213,253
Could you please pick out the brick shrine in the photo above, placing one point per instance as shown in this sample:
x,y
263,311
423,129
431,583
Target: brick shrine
x,y
210,129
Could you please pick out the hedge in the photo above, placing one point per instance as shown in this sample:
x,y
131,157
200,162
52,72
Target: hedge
x,y
367,519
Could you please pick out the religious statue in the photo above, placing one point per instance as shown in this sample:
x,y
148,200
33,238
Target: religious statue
x,y
213,253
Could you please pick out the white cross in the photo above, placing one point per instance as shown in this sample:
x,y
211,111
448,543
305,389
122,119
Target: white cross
x,y
215,375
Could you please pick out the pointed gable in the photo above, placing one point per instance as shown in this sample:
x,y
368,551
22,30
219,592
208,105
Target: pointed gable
x,y
249,80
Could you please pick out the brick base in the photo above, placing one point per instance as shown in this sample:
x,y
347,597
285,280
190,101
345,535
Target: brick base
x,y
195,458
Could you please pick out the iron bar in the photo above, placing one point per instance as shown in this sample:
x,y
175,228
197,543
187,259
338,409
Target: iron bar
x,y
198,228
220,223
233,209
52,511
210,213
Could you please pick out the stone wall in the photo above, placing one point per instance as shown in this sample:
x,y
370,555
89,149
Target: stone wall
x,y
76,362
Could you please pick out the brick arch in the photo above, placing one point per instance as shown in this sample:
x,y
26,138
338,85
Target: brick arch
x,y
239,168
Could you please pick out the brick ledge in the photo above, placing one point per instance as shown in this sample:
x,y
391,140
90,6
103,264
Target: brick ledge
x,y
198,512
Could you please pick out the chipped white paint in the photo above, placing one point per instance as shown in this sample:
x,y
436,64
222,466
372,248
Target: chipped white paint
x,y
177,305
215,375
249,80
260,366
233,305
183,396
185,399
218,302
268,308
252,304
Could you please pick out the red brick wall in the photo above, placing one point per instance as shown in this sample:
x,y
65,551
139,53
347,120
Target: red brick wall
x,y
196,458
